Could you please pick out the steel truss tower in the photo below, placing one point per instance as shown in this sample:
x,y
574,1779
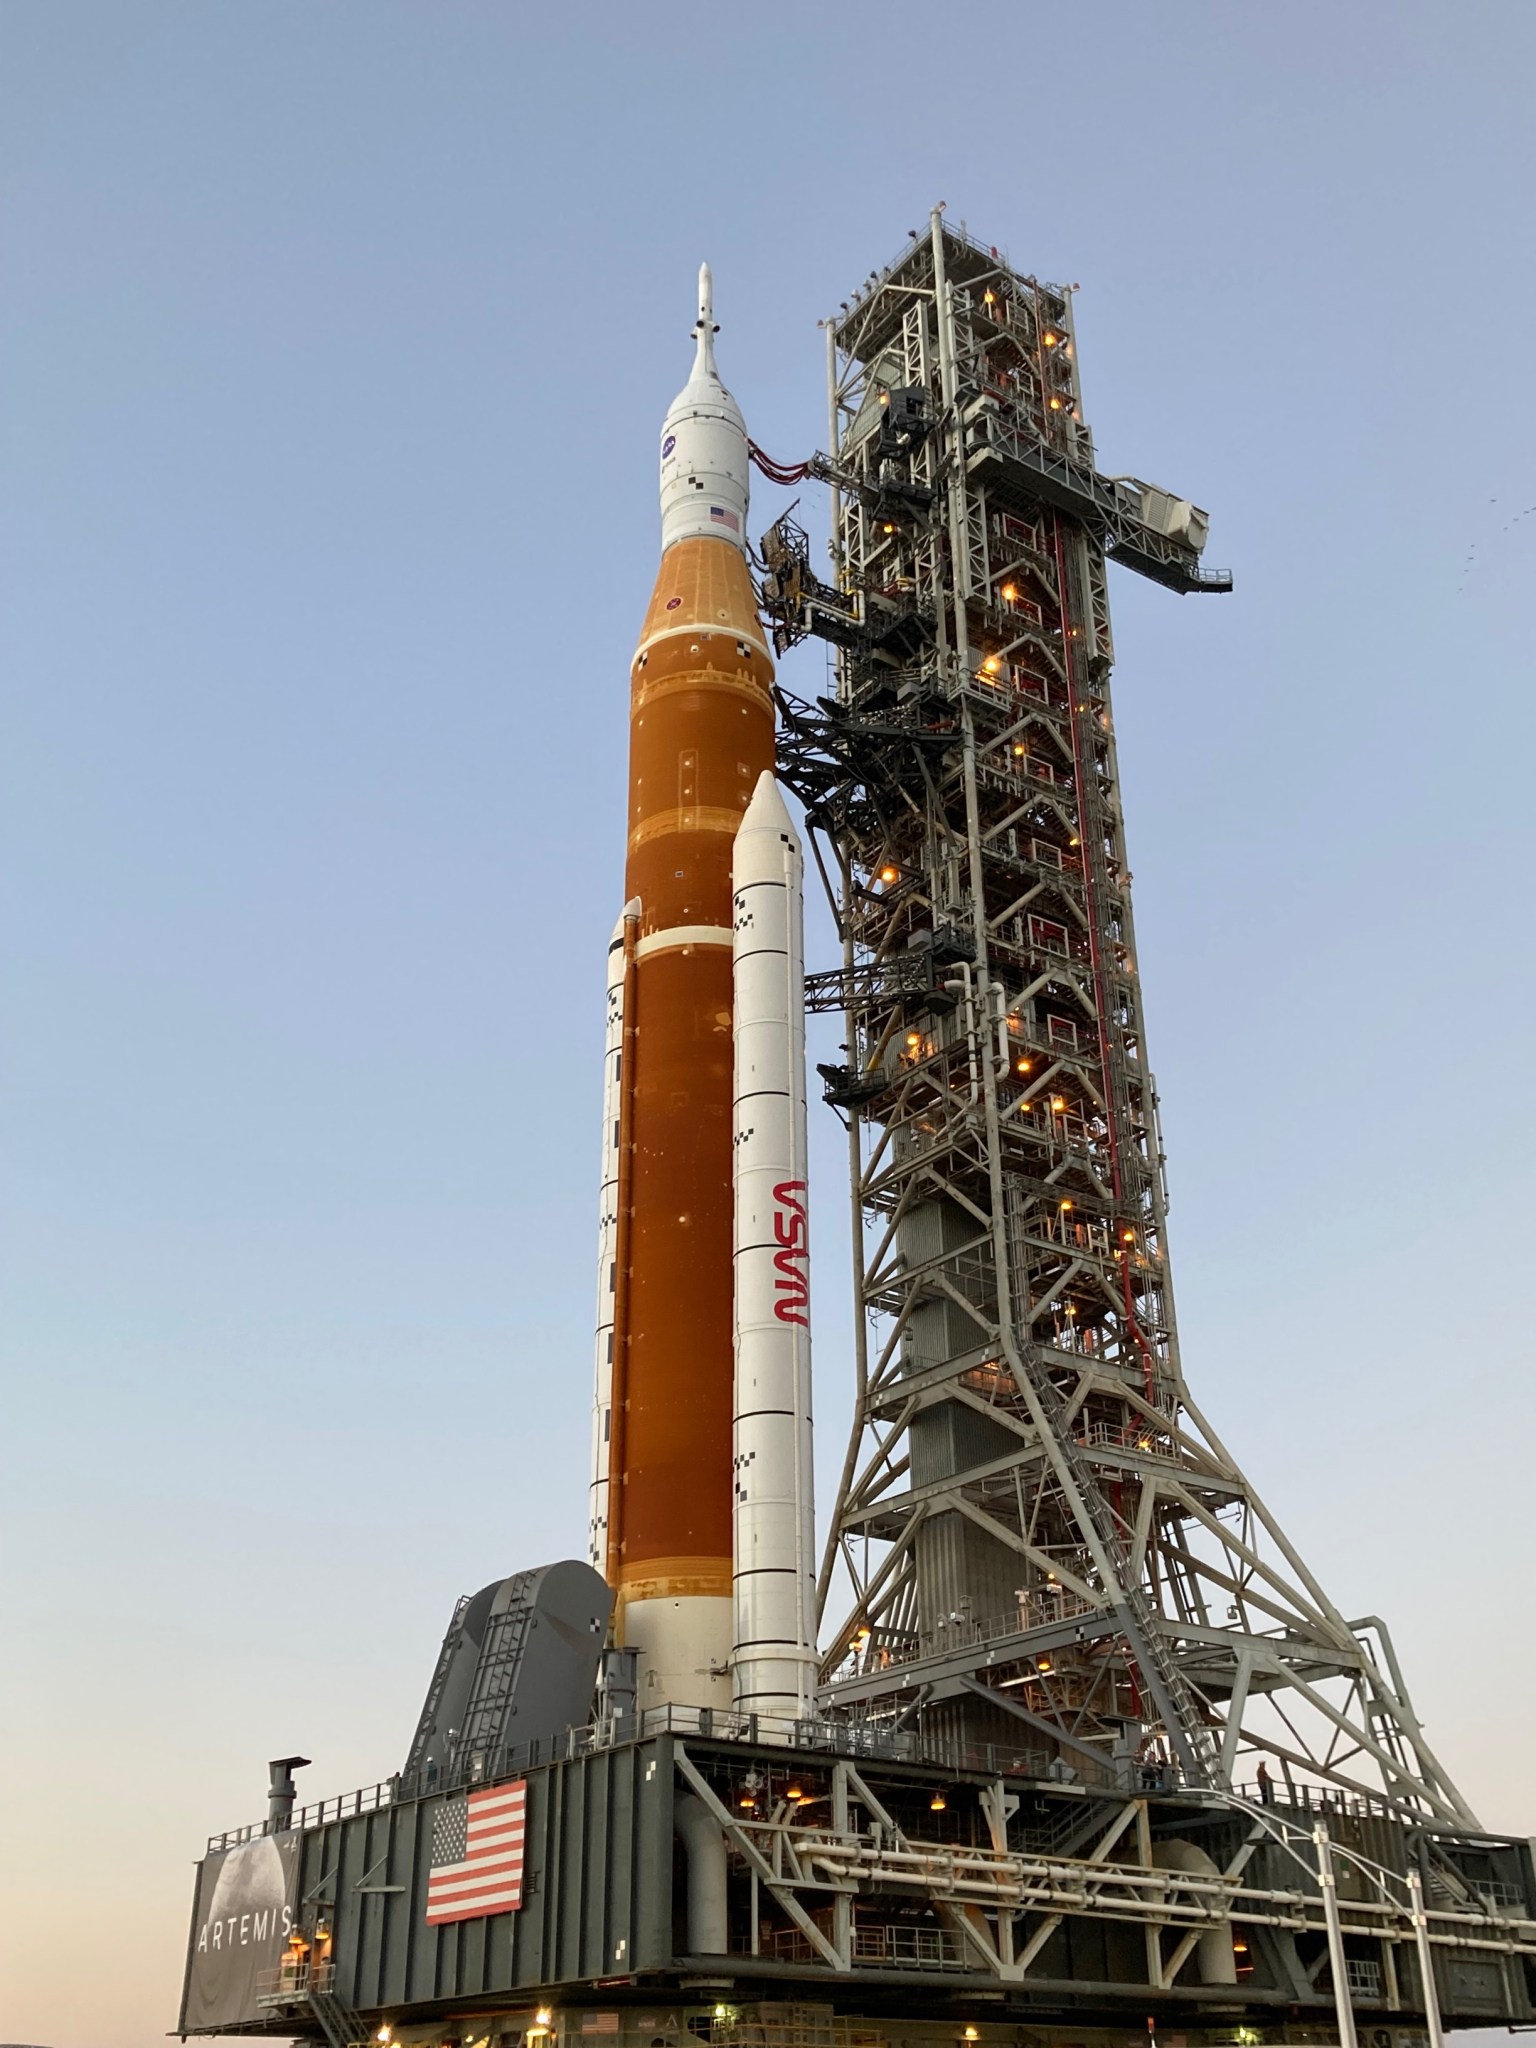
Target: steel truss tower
x,y
1039,1540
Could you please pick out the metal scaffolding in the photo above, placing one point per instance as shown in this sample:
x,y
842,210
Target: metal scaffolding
x,y
1039,1536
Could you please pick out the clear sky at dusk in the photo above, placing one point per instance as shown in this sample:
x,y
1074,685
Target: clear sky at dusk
x,y
333,341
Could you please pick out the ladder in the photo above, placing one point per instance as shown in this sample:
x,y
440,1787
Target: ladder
x,y
501,1654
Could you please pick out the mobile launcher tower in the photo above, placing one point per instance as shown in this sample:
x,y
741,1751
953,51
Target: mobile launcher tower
x,y
1089,1752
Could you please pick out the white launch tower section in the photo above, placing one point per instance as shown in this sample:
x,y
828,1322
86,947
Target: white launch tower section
x,y
774,1659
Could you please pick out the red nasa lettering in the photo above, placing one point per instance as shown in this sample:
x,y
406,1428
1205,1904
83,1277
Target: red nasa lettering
x,y
792,1231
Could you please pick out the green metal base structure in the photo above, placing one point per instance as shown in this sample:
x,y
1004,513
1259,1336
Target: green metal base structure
x,y
681,1883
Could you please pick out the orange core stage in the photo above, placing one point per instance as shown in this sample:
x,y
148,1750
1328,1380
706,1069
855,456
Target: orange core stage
x,y
701,733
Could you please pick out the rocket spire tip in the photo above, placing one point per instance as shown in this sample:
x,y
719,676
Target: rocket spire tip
x,y
705,328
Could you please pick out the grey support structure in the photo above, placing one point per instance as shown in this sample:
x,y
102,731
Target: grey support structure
x,y
1039,1537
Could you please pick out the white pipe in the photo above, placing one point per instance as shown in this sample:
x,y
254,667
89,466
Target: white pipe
x,y
701,1836
1337,1962
1216,1961
1420,1921
774,1661
1004,1049
972,1037
607,1250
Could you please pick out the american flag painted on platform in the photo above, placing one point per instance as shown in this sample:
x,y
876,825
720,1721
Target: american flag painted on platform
x,y
477,1855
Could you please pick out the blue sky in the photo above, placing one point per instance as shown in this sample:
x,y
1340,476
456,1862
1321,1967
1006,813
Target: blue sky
x,y
334,341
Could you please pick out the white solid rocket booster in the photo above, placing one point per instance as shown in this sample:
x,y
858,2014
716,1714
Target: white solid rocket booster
x,y
774,1658
607,1247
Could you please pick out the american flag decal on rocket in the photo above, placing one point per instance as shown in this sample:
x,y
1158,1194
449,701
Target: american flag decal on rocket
x,y
477,1855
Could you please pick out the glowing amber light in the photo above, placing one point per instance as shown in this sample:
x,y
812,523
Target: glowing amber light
x,y
1010,592
937,1803
1057,1102
1055,405
1050,340
887,874
991,664
1023,1066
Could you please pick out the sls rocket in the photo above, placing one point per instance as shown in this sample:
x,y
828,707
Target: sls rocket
x,y
700,1513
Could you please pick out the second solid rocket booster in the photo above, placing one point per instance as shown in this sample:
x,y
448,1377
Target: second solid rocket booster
x,y
774,1658
701,735
621,969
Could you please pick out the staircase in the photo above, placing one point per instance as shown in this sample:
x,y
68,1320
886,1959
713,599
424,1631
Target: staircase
x,y
341,2026
1064,1833
1188,1732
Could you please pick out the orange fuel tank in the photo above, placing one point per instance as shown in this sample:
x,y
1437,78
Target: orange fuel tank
x,y
701,733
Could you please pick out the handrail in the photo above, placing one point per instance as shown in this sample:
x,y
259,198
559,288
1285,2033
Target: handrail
x,y
870,1740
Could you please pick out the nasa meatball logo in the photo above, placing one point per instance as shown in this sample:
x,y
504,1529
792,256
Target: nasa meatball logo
x,y
668,445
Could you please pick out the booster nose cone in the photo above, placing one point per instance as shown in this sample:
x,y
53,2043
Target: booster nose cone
x,y
768,812
704,460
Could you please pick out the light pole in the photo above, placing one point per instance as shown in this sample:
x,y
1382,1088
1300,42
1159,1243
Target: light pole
x,y
1330,1888
1426,1957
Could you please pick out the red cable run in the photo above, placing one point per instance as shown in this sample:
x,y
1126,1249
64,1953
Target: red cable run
x,y
778,472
